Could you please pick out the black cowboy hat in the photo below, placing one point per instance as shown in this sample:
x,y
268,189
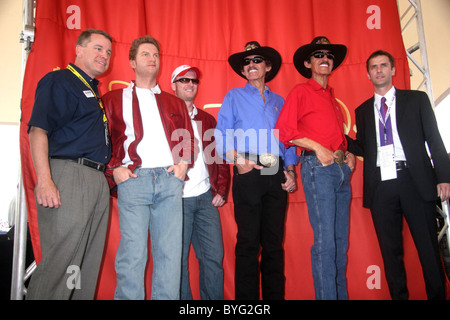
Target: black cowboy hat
x,y
319,43
254,48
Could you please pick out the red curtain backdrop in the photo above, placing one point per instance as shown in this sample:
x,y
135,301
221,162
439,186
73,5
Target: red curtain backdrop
x,y
204,34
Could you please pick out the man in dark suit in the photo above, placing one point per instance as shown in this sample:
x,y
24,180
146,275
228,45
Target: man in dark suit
x,y
399,177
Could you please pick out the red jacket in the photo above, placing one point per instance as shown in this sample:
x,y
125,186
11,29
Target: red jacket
x,y
219,171
174,116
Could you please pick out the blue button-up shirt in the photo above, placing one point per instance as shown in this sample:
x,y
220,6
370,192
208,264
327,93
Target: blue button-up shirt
x,y
66,108
246,123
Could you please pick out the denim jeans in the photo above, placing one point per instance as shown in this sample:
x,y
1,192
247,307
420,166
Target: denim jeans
x,y
202,228
327,191
151,202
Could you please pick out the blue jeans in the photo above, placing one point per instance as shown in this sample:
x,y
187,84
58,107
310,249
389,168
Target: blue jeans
x,y
327,191
151,202
201,226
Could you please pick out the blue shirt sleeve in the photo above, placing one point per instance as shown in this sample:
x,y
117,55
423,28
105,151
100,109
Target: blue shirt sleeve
x,y
52,104
290,155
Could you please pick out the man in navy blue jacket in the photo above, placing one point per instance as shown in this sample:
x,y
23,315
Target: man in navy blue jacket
x,y
70,146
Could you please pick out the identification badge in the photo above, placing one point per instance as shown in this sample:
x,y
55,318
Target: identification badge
x,y
388,167
88,94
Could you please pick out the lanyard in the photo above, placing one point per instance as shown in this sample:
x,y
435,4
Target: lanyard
x,y
388,113
79,76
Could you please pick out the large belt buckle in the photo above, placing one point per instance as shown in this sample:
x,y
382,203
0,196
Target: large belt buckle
x,y
268,159
341,156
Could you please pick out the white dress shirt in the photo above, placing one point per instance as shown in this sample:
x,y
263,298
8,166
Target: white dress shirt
x,y
198,182
399,155
153,149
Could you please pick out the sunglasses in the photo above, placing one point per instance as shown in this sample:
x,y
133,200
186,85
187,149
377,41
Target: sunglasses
x,y
321,54
187,80
255,60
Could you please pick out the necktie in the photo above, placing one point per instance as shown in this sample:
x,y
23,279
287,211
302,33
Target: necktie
x,y
385,126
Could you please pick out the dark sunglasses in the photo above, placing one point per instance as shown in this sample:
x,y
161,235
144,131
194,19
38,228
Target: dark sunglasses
x,y
321,54
255,60
187,80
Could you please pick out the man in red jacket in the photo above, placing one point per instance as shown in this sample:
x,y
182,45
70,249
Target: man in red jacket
x,y
149,173
205,190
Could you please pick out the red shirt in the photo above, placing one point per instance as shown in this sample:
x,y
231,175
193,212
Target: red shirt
x,y
311,111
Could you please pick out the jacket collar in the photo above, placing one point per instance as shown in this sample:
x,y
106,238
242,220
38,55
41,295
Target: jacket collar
x,y
155,90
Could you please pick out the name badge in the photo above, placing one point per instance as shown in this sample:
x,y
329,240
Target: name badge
x,y
388,167
88,94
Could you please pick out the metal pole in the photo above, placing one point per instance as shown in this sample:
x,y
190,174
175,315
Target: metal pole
x,y
423,52
420,45
20,245
19,275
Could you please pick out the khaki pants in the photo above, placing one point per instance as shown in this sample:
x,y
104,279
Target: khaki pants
x,y
72,237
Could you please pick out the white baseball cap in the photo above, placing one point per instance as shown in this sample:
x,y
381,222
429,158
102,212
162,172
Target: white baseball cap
x,y
182,70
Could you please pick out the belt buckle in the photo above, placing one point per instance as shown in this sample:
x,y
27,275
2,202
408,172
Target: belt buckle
x,y
91,164
341,156
268,159
98,166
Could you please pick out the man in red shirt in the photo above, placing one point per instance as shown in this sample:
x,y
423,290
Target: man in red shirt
x,y
312,121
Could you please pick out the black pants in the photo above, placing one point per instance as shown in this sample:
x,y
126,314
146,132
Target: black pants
x,y
260,211
392,199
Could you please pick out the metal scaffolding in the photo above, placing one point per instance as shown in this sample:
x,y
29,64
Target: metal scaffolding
x,y
411,16
19,273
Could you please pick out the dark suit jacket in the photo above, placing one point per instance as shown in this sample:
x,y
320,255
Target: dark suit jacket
x,y
416,124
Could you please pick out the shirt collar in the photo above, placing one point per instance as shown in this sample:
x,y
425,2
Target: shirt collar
x,y
85,76
155,90
194,112
390,95
316,86
252,88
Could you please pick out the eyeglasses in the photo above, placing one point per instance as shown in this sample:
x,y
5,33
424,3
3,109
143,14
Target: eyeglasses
x,y
255,60
321,54
187,80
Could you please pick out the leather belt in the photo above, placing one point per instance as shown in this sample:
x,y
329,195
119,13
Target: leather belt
x,y
85,162
308,153
339,160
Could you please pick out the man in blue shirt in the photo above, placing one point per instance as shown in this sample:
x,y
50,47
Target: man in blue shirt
x,y
70,146
263,172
